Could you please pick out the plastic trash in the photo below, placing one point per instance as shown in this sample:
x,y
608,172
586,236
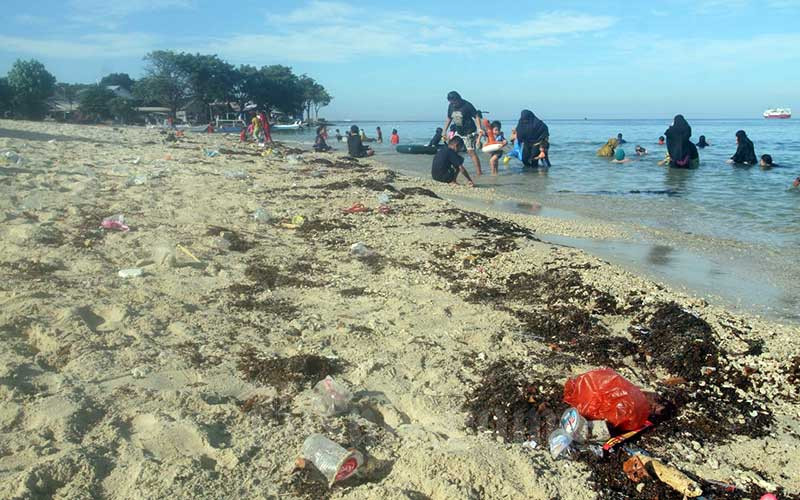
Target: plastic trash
x,y
13,158
115,222
137,180
384,198
560,442
331,397
361,250
236,174
211,153
298,220
262,215
639,467
133,272
333,461
604,394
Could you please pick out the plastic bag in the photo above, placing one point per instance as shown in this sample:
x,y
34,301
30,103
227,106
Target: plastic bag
x,y
604,394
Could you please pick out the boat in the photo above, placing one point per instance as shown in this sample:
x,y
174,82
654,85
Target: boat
x,y
778,113
287,126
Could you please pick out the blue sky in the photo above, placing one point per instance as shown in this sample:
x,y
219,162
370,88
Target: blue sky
x,y
397,60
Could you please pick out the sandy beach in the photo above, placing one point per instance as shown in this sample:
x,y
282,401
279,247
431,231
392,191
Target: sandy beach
x,y
455,332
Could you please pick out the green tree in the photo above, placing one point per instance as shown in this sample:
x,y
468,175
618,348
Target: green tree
x,y
314,96
209,78
275,88
121,109
6,95
166,82
69,92
31,84
94,102
122,79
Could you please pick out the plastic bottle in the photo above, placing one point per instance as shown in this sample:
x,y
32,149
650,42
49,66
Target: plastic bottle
x,y
333,461
560,442
262,215
134,272
361,250
331,397
13,157
384,198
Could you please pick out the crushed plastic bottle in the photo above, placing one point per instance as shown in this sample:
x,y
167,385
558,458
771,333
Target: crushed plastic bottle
x,y
361,250
115,222
384,198
211,153
582,430
235,174
13,158
333,461
134,272
262,215
331,397
137,180
560,443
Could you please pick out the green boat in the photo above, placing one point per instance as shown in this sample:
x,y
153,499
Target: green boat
x,y
416,149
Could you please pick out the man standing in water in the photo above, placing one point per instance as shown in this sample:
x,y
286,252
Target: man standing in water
x,y
468,126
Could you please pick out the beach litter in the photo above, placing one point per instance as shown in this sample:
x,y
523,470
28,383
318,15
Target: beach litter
x,y
296,222
235,174
133,272
115,222
361,250
604,394
332,460
211,153
262,215
640,467
137,180
356,208
331,397
12,158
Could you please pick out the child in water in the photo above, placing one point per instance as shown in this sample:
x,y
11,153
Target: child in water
x,y
338,136
766,162
796,183
378,135
499,137
395,139
640,151
619,156
661,141
544,153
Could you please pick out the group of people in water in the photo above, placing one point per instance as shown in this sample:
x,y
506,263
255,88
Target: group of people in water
x,y
530,140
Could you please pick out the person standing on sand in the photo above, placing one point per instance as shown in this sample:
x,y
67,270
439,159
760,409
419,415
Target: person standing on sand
x,y
467,124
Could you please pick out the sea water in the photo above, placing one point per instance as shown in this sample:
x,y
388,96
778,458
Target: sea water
x,y
728,231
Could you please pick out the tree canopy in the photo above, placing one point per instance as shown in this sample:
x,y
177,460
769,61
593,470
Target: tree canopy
x,y
94,102
122,79
6,95
31,84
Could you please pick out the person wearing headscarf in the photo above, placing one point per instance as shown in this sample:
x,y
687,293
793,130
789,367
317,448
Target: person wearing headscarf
x,y
681,150
702,142
531,133
607,151
745,152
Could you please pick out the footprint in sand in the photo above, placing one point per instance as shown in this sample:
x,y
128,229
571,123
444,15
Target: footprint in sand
x,y
100,319
166,439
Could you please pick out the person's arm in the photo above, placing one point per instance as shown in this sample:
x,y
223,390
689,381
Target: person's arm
x,y
464,171
478,124
446,127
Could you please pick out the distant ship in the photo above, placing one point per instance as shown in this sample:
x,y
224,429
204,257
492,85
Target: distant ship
x,y
778,113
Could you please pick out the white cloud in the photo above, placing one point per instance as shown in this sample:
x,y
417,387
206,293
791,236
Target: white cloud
x,y
101,45
556,23
316,10
109,14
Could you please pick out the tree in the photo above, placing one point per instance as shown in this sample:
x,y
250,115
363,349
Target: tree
x,y
94,102
166,82
275,87
122,79
321,99
209,77
121,109
6,96
31,84
314,96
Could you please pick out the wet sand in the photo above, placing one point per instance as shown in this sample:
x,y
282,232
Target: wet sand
x,y
194,379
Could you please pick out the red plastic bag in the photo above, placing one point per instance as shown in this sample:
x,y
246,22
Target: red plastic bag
x,y
604,394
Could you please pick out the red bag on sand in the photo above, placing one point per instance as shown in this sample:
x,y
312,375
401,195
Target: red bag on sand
x,y
604,394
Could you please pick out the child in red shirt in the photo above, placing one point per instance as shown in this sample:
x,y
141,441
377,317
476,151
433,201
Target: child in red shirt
x,y
395,137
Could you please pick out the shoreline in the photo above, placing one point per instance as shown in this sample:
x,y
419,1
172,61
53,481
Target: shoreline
x,y
195,379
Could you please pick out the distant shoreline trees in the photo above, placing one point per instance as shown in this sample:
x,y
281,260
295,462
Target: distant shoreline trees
x,y
171,80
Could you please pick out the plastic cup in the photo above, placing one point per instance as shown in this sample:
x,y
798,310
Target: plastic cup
x,y
333,461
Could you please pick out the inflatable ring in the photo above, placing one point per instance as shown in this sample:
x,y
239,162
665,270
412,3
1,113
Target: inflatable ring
x,y
491,148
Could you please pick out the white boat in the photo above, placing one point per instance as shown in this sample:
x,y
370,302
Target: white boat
x,y
290,126
778,113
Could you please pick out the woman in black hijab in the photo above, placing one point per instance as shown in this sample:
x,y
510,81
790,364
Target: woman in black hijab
x,y
702,142
745,152
531,133
682,152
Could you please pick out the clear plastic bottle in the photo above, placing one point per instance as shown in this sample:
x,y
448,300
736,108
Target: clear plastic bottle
x,y
262,215
331,397
560,443
333,461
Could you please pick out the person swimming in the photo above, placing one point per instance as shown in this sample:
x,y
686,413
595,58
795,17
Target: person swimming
x,y
796,183
661,140
745,152
620,140
701,143
607,151
640,150
619,156
766,162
